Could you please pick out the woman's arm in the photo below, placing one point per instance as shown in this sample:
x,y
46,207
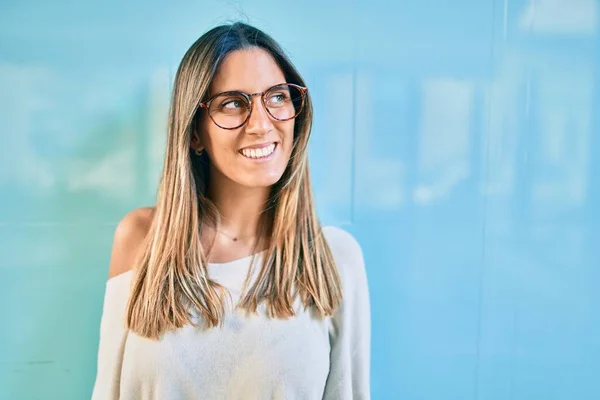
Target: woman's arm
x,y
113,336
129,235
350,331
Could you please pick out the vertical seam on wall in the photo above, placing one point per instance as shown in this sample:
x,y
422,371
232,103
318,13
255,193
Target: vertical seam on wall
x,y
354,149
483,185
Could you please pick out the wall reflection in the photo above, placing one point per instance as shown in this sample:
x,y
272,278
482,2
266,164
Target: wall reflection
x,y
458,143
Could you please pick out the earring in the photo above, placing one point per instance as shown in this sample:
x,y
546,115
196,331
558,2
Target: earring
x,y
198,152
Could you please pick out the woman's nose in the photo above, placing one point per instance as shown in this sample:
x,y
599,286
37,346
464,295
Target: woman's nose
x,y
260,121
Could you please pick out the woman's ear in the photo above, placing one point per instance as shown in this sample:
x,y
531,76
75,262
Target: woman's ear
x,y
195,143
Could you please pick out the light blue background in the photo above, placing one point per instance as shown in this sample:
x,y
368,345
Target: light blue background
x,y
458,140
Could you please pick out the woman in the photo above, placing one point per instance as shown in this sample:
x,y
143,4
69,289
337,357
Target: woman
x,y
229,288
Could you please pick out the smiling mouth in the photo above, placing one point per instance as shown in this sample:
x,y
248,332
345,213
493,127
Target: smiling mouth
x,y
260,153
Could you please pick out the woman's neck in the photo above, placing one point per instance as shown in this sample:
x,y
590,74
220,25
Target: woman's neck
x,y
240,208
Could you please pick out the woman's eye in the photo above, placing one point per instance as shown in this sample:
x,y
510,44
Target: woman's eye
x,y
277,98
232,104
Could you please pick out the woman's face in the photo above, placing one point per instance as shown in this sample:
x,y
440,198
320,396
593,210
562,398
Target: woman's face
x,y
241,156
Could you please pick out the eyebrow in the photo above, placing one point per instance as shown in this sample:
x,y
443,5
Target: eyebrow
x,y
216,92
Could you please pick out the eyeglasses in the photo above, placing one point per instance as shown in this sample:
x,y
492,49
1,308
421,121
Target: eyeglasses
x,y
230,110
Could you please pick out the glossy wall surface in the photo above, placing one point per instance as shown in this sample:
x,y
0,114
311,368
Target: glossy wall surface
x,y
458,141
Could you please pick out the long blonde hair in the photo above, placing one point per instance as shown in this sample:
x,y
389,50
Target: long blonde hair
x,y
171,269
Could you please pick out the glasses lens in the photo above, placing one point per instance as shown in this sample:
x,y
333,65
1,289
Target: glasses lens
x,y
229,110
284,102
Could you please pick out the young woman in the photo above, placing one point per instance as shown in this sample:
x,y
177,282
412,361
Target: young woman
x,y
229,288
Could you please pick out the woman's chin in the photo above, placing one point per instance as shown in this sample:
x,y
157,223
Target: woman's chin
x,y
263,179
260,182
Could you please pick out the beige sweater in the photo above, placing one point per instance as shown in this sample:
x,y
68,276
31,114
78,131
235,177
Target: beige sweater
x,y
250,357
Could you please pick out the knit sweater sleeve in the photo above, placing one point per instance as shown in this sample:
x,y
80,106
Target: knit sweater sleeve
x,y
350,328
112,339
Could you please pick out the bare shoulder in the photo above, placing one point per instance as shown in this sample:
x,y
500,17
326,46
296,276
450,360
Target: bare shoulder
x,y
129,235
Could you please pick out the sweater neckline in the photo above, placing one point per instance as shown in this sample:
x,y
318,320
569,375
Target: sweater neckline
x,y
215,267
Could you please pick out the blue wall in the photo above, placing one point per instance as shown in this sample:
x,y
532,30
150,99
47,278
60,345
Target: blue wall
x,y
459,141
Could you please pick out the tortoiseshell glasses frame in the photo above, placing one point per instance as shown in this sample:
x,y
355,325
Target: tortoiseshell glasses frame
x,y
230,96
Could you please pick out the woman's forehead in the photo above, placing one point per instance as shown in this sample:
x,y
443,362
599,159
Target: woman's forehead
x,y
249,70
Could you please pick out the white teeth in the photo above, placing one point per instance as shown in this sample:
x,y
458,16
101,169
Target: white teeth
x,y
259,153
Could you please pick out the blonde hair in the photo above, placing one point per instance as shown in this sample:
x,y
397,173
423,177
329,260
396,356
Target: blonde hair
x,y
171,269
